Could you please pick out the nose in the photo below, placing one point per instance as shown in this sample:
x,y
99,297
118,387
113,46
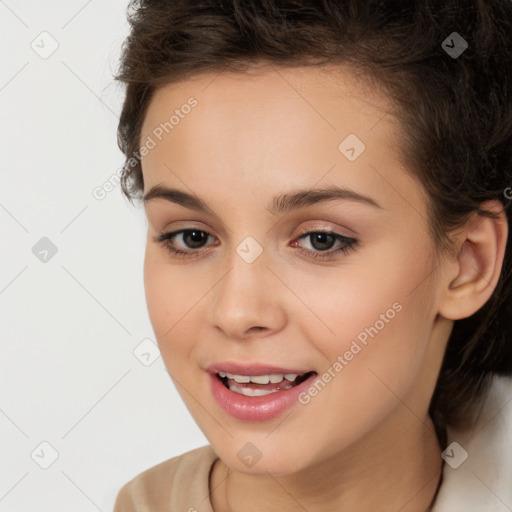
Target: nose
x,y
248,301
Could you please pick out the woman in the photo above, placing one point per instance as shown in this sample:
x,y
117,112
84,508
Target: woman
x,y
328,267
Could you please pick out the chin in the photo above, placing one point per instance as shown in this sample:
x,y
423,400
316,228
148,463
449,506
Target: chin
x,y
262,458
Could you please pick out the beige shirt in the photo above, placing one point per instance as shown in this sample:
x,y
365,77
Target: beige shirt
x,y
180,484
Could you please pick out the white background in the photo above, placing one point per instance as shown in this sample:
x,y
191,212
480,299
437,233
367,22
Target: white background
x,y
70,324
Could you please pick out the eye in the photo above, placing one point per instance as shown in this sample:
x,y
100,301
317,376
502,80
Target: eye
x,y
194,238
321,241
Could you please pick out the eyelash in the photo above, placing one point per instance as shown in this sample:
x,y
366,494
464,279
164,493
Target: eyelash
x,y
348,244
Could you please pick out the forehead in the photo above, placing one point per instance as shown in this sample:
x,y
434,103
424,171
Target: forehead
x,y
267,106
271,127
308,93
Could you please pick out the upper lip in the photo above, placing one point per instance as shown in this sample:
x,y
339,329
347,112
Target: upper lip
x,y
251,369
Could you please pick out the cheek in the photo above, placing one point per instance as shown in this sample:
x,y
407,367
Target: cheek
x,y
175,300
377,327
169,296
160,296
369,377
380,347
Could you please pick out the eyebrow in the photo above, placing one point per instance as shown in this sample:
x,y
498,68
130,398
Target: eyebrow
x,y
283,203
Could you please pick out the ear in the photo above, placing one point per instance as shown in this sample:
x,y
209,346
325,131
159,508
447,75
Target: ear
x,y
472,275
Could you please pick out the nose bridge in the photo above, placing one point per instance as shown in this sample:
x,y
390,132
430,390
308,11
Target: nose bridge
x,y
245,297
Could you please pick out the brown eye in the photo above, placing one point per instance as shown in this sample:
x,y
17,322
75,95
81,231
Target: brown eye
x,y
194,239
191,239
323,241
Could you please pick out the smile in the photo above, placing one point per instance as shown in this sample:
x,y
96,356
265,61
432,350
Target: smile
x,y
260,396
261,385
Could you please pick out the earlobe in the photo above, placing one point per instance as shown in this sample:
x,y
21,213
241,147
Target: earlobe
x,y
478,264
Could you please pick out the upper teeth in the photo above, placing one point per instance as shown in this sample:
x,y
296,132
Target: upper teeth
x,y
260,379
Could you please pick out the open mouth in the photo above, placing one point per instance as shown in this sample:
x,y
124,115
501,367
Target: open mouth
x,y
260,385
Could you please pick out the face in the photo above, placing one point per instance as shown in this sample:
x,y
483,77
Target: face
x,y
339,285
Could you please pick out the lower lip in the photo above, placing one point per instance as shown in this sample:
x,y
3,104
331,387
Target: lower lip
x,y
256,408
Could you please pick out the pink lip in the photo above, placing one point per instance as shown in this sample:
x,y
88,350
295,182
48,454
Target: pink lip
x,y
252,369
257,408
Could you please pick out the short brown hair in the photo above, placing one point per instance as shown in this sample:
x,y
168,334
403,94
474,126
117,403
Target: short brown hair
x,y
456,111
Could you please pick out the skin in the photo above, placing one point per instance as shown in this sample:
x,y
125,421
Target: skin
x,y
276,130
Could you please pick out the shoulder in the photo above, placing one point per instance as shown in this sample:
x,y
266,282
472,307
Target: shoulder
x,y
160,486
